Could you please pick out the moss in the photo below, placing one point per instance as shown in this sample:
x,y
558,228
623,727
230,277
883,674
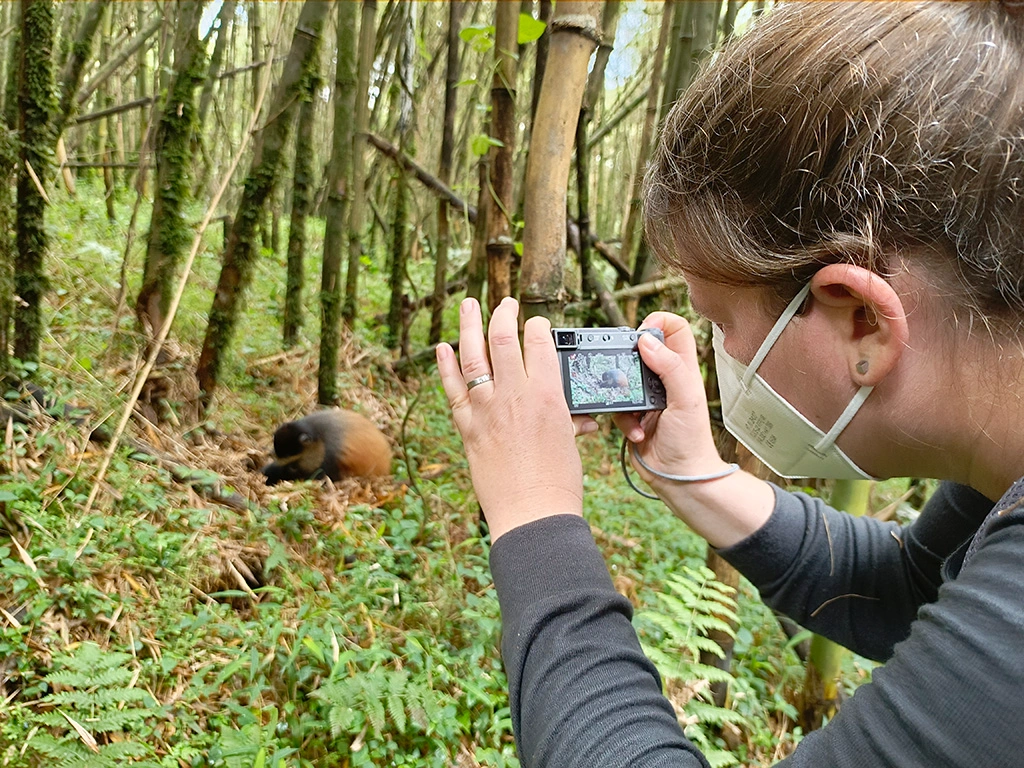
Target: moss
x,y
170,235
36,109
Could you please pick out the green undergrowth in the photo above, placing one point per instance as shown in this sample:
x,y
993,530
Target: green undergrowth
x,y
156,627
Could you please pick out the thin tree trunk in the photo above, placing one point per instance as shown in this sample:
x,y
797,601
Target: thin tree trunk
x,y
226,18
106,138
574,35
499,193
820,696
339,195
35,117
240,254
456,8
6,22
543,44
405,66
141,92
591,101
8,252
81,50
545,11
631,228
115,63
357,214
695,27
169,234
302,195
732,8
13,68
256,39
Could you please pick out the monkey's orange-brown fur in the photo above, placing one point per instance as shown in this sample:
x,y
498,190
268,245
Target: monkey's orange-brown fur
x,y
333,443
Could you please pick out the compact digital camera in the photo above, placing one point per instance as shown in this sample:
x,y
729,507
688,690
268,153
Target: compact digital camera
x,y
602,371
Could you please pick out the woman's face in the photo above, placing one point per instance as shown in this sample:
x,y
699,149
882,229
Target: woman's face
x,y
803,365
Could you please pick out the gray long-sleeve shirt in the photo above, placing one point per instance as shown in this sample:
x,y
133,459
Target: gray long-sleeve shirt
x,y
941,604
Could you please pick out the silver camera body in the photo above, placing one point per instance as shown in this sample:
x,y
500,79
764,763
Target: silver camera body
x,y
602,371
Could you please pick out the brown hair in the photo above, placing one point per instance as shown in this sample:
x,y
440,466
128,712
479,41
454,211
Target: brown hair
x,y
853,132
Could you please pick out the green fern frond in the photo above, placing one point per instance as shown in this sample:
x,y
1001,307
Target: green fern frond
x,y
102,678
103,698
388,699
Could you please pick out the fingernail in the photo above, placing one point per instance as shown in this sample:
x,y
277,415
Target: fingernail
x,y
636,435
466,305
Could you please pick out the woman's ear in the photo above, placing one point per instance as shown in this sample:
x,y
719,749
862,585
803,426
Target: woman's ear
x,y
869,317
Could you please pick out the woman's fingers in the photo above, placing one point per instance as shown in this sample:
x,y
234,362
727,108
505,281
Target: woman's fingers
x,y
584,425
472,352
503,342
539,355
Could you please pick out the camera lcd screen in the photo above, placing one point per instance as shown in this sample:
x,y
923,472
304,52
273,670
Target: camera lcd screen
x,y
604,378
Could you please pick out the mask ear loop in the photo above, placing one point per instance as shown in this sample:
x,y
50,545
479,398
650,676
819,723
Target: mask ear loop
x,y
844,418
773,335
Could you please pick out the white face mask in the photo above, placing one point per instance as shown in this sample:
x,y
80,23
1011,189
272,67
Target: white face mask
x,y
774,431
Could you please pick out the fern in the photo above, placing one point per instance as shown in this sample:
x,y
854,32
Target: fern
x,y
95,695
695,604
385,699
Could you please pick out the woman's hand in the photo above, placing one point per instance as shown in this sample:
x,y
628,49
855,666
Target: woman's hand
x,y
516,427
677,440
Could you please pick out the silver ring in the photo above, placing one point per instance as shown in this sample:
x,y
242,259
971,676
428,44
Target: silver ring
x,y
478,381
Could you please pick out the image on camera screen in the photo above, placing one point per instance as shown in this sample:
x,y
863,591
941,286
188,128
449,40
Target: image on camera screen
x,y
605,378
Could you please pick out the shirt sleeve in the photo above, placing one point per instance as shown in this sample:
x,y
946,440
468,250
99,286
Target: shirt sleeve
x,y
581,691
950,695
856,580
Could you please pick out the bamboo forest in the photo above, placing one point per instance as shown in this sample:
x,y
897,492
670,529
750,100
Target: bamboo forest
x,y
221,216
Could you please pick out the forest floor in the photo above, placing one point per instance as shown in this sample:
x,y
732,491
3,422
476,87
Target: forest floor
x,y
311,624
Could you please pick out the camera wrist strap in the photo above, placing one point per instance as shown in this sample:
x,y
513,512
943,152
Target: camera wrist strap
x,y
664,475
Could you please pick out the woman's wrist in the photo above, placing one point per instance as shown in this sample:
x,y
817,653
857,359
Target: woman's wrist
x,y
724,511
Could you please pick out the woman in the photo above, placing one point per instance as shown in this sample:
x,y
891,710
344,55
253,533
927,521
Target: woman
x,y
844,191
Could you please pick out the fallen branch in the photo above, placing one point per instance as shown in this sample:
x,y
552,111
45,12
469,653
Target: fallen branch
x,y
115,110
428,179
632,291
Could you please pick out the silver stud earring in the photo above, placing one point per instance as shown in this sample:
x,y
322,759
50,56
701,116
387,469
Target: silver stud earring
x,y
862,367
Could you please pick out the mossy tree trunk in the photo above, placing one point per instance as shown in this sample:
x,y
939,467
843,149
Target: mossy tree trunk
x,y
8,164
498,196
302,197
403,89
357,208
268,152
35,119
574,35
339,194
169,232
74,68
456,9
225,19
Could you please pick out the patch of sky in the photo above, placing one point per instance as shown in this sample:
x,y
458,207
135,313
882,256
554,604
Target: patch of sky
x,y
638,20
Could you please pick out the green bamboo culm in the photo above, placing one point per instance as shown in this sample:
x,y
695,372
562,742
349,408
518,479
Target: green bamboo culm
x,y
819,699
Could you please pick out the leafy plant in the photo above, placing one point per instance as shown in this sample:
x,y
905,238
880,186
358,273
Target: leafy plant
x,y
88,718
694,604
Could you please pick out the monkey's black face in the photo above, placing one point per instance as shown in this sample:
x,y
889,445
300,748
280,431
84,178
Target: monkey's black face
x,y
289,440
